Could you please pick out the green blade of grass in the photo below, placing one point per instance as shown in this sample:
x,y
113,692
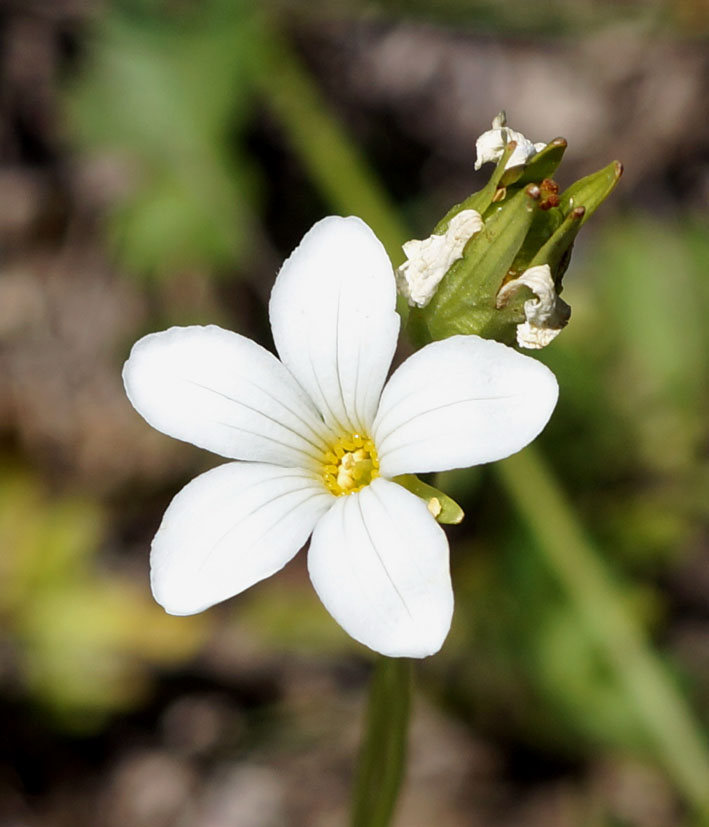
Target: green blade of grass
x,y
660,706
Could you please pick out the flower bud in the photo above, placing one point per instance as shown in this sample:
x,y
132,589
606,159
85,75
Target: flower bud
x,y
495,262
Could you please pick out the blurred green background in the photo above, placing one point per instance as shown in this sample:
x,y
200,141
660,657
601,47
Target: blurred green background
x,y
158,160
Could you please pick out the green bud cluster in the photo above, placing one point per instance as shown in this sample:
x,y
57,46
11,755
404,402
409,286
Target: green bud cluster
x,y
527,222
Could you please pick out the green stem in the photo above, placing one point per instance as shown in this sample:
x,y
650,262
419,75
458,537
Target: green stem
x,y
383,753
341,174
668,722
335,165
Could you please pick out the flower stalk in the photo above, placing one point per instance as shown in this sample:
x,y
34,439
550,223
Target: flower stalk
x,y
382,758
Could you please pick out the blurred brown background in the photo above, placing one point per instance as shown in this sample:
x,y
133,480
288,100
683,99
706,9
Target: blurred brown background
x,y
158,160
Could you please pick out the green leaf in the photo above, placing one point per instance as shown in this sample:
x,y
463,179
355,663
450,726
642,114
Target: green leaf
x,y
186,202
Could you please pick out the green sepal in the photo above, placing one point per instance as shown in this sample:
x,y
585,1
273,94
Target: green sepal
x,y
465,300
481,199
542,165
544,224
557,250
590,192
450,512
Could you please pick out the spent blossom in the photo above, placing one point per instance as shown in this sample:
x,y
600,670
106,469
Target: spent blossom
x,y
491,145
318,439
545,315
430,259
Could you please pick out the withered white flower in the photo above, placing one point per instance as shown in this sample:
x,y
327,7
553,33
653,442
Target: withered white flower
x,y
318,439
545,316
429,260
491,144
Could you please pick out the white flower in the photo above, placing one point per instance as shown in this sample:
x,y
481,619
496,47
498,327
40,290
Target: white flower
x,y
544,316
429,260
491,144
318,439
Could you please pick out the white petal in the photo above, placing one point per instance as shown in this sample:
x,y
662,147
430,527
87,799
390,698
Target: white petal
x,y
459,402
228,529
334,320
225,393
379,562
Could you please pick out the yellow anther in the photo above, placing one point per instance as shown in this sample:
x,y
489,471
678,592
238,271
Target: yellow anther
x,y
350,463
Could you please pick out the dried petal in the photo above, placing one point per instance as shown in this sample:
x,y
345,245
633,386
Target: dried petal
x,y
429,260
545,316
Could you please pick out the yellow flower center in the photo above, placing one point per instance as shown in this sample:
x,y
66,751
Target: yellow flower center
x,y
350,464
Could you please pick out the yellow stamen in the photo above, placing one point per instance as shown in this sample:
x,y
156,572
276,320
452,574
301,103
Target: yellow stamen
x,y
350,463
